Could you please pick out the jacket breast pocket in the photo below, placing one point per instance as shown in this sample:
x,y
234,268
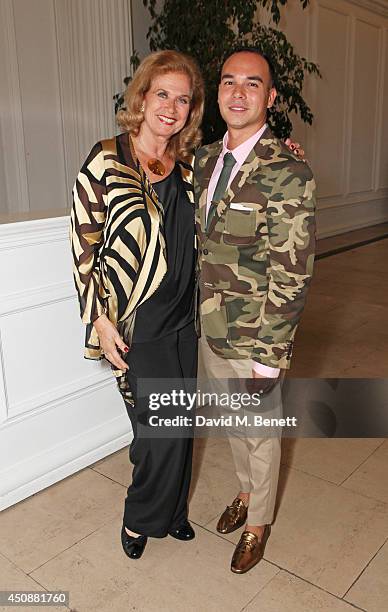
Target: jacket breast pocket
x,y
240,227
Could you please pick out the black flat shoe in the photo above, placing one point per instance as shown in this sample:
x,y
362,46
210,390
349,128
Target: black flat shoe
x,y
183,532
133,547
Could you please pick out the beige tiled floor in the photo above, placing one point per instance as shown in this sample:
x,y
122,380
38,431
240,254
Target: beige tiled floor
x,y
371,589
330,535
329,545
342,457
287,593
343,331
322,534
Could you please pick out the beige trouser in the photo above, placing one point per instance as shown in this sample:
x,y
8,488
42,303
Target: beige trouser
x,y
257,459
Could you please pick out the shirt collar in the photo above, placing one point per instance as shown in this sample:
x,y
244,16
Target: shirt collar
x,y
241,152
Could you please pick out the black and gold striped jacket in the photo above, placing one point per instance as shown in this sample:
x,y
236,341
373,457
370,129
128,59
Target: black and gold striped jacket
x,y
117,239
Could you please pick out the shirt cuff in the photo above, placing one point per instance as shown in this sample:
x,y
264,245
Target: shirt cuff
x,y
264,370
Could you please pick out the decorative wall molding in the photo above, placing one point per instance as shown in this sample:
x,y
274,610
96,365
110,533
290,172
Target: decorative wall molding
x,y
334,220
3,389
36,231
379,7
58,397
88,45
348,103
382,175
339,201
59,461
53,417
21,301
11,118
378,142
356,191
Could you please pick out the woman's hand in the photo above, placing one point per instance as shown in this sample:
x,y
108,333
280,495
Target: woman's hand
x,y
295,148
110,340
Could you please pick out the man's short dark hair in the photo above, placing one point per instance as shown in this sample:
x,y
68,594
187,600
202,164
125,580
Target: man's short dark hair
x,y
261,54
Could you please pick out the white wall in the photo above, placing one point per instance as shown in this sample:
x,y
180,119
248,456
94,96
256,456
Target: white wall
x,y
62,62
64,59
58,411
347,144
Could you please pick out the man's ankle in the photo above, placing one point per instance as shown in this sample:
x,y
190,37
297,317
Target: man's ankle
x,y
244,498
256,529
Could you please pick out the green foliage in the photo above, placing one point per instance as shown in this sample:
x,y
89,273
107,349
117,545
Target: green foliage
x,y
209,30
119,97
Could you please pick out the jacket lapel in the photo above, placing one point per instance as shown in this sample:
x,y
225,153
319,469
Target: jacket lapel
x,y
260,152
208,163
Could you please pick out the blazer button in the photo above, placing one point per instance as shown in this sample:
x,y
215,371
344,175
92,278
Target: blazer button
x,y
205,252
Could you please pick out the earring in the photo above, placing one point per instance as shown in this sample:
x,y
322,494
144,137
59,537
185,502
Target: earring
x,y
142,108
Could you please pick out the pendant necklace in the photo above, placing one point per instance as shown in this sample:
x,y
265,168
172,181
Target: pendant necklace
x,y
155,165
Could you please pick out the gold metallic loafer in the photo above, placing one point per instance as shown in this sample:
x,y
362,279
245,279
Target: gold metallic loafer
x,y
233,517
249,551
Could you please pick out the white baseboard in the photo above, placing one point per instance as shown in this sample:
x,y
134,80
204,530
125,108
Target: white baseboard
x,y
32,476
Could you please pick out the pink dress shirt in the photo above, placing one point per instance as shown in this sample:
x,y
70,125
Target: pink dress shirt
x,y
240,154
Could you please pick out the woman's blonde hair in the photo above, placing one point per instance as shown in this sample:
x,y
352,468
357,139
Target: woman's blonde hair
x,y
184,142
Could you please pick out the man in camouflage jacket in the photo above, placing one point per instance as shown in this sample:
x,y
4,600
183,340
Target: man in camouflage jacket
x,y
256,252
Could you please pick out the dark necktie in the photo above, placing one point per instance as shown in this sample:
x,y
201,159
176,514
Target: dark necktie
x,y
221,187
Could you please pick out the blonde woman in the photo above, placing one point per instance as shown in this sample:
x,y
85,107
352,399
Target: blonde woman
x,y
132,230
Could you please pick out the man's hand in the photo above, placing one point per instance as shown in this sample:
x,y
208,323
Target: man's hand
x,y
261,384
109,340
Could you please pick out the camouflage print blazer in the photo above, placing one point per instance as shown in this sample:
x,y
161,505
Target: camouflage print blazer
x,y
255,265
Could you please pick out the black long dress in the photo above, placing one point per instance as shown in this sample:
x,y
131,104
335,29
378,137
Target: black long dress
x,y
164,346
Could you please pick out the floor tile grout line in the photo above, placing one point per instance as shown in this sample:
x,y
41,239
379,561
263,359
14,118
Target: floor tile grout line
x,y
330,482
375,499
46,589
292,467
207,523
314,585
27,574
362,463
108,477
203,526
10,561
284,569
214,533
287,571
367,565
125,486
288,466
65,550
84,538
259,591
279,567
